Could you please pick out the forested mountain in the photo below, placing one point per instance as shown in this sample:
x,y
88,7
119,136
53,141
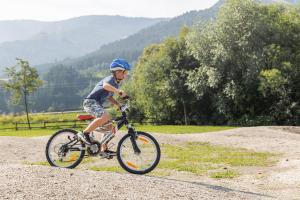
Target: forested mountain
x,y
43,42
131,47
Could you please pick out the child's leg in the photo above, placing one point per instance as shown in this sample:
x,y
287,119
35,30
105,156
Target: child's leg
x,y
94,108
97,122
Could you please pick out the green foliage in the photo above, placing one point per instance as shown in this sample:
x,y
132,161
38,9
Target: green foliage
x,y
271,81
242,68
23,80
249,62
158,82
63,90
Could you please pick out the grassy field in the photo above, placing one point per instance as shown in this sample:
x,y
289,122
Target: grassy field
x,y
39,117
27,133
147,128
171,129
37,120
6,121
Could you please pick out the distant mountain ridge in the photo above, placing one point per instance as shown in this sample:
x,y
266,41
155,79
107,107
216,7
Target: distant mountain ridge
x,y
42,42
131,47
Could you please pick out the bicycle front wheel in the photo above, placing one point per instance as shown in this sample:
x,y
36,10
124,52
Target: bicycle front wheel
x,y
138,163
64,150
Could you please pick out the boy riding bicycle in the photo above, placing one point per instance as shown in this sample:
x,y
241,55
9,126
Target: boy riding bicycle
x,y
103,91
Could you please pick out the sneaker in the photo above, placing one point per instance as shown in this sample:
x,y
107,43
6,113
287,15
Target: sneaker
x,y
84,137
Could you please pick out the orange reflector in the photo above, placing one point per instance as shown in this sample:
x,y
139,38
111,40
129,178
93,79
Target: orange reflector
x,y
132,165
144,140
73,157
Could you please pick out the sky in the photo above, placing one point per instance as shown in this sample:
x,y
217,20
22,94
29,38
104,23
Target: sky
x,y
53,10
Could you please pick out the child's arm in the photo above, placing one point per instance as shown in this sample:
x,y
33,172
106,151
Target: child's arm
x,y
114,102
111,88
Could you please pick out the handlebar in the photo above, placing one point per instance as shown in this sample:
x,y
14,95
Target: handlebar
x,y
126,97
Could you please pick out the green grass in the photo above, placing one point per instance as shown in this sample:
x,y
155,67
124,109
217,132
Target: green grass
x,y
229,174
27,133
167,129
178,129
202,158
39,117
107,168
42,163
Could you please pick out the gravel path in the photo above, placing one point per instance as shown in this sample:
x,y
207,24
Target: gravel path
x,y
20,181
35,182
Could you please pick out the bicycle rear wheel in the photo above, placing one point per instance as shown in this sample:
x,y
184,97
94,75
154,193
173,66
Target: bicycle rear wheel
x,y
138,163
64,150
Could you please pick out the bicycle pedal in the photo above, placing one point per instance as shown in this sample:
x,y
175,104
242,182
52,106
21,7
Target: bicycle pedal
x,y
108,155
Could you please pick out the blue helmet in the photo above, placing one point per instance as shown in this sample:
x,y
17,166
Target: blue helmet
x,y
119,64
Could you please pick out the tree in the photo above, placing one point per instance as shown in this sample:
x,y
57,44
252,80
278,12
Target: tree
x,y
243,68
23,80
3,106
158,82
249,62
63,89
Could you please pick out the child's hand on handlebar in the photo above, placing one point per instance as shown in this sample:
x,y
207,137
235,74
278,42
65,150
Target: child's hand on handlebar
x,y
122,94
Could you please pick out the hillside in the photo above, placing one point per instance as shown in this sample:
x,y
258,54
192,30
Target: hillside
x,y
43,42
132,46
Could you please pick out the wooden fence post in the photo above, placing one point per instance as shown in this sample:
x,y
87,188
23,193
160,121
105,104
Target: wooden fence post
x,y
16,123
44,124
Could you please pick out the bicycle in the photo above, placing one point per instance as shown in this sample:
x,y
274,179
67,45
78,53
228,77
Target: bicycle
x,y
137,152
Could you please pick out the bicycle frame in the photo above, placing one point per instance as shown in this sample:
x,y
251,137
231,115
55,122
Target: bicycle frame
x,y
121,121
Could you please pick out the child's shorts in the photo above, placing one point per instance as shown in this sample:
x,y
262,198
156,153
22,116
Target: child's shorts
x,y
92,107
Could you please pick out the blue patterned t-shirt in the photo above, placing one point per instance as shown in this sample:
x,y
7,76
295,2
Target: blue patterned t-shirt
x,y
99,93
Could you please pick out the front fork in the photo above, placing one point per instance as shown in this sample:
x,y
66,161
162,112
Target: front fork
x,y
133,137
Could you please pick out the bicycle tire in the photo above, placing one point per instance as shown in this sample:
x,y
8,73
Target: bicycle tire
x,y
125,167
80,158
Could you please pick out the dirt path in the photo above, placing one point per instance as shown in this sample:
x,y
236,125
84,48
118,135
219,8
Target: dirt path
x,y
19,181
